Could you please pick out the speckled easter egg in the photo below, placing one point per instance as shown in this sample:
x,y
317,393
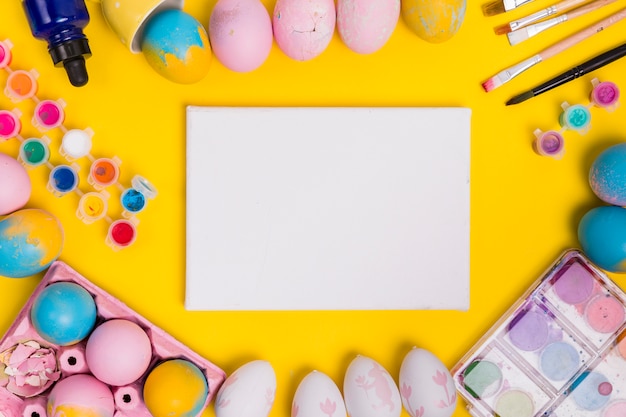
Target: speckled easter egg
x,y
434,21
607,176
175,387
304,28
365,26
177,46
30,240
602,236
80,395
15,186
240,32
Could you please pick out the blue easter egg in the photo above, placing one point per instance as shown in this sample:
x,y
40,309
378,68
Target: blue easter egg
x,y
177,46
64,313
602,236
30,240
607,175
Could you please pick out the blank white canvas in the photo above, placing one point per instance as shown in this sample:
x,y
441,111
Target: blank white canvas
x,y
327,208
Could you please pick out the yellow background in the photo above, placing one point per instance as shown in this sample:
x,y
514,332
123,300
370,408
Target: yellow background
x,y
524,208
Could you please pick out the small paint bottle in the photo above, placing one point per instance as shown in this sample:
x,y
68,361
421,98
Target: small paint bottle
x,y
5,53
605,95
21,85
49,114
92,206
34,152
104,172
550,143
134,199
76,143
122,233
575,117
10,124
60,23
63,179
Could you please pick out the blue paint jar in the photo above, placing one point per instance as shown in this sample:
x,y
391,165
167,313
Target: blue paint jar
x,y
63,179
61,24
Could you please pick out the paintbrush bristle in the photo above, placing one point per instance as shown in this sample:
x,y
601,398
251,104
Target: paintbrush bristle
x,y
492,83
517,36
521,97
493,8
503,30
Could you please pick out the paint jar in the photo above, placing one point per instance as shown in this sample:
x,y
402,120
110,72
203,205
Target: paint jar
x,y
92,206
576,117
49,114
76,144
550,143
122,233
34,152
63,179
21,85
60,23
10,124
605,95
104,172
5,53
134,199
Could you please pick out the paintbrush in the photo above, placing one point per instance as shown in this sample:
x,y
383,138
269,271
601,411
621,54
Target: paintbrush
x,y
501,6
542,14
532,30
512,72
578,71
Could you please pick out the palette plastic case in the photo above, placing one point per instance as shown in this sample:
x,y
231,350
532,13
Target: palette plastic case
x,y
127,399
560,351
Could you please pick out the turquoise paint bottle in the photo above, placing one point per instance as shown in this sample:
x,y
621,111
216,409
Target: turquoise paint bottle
x,y
60,23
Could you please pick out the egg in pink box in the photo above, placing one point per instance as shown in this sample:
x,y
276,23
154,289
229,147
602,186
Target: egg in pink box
x,y
80,395
80,389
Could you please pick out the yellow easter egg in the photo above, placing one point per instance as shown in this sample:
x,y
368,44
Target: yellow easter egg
x,y
434,21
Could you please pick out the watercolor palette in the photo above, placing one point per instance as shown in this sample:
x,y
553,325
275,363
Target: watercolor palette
x,y
559,351
64,178
26,393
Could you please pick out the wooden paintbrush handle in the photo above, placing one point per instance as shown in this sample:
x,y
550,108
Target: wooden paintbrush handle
x,y
582,35
567,4
588,8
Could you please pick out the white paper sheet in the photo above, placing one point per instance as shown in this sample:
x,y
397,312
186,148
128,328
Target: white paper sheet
x,y
327,208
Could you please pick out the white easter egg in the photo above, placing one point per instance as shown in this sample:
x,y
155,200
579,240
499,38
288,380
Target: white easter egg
x,y
318,396
426,386
369,390
247,392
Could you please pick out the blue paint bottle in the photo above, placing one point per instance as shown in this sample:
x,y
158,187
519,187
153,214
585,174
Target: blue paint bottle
x,y
61,24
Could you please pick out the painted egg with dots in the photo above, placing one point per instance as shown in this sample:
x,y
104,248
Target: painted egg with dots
x,y
177,46
607,176
80,395
15,185
434,21
63,313
602,236
30,240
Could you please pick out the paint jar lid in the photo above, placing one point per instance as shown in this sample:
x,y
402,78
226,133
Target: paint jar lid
x,y
144,186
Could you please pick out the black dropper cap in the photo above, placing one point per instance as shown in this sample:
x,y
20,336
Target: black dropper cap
x,y
71,54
